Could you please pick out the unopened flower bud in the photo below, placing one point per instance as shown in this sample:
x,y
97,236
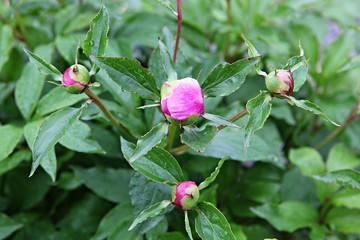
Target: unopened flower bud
x,y
185,195
280,82
182,100
75,79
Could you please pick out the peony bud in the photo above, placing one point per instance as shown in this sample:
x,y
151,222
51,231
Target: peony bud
x,y
75,79
280,82
182,100
185,195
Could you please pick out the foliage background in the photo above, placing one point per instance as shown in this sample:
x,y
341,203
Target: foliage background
x,y
267,190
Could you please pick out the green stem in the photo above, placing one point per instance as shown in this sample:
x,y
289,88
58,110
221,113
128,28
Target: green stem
x,y
123,131
184,147
351,117
171,135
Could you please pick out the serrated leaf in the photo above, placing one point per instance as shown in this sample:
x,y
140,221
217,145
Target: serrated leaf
x,y
50,132
226,78
43,66
149,140
5,43
259,109
187,225
211,224
130,75
10,137
220,120
311,107
96,38
8,226
346,177
158,164
152,211
308,160
198,139
288,216
213,175
167,62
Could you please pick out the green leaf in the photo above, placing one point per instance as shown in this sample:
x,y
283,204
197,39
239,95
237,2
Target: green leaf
x,y
149,140
152,211
187,225
227,78
167,4
251,49
341,158
198,139
57,99
259,109
167,62
96,38
130,75
108,183
299,68
311,107
43,66
308,160
48,163
8,225
10,137
30,85
211,224
79,138
353,64
5,43
288,216
113,220
68,45
349,198
213,175
340,48
158,164
220,120
344,220
51,132
144,193
266,145
14,160
345,177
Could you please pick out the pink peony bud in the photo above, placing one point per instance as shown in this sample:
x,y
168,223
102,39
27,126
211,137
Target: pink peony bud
x,y
182,100
185,195
75,79
280,82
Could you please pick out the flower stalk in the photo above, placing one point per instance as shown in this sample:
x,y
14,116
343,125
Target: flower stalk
x,y
123,131
178,33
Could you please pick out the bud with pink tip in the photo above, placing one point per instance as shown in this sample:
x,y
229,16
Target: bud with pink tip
x,y
182,100
280,82
76,78
186,195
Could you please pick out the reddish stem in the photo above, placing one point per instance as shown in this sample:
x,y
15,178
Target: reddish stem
x,y
178,29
